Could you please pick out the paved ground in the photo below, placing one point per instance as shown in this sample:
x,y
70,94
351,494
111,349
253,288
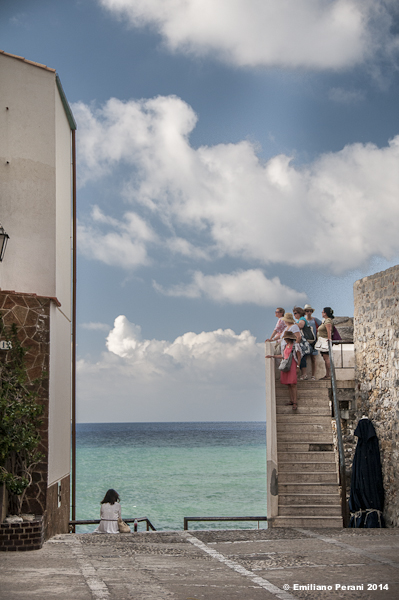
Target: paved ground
x,y
208,565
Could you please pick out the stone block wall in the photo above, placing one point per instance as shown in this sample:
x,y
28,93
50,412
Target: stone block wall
x,y
376,337
31,315
347,405
58,503
19,537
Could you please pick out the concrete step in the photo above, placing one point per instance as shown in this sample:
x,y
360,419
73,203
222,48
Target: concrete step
x,y
304,410
308,477
310,522
306,487
294,458
309,446
313,394
300,427
310,388
311,437
307,385
314,405
310,510
306,467
291,417
304,499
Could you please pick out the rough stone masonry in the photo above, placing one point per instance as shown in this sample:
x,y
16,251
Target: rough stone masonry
x,y
376,338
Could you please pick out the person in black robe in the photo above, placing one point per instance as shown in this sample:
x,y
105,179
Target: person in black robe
x,y
366,501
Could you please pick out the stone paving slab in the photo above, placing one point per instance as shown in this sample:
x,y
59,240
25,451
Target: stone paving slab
x,y
208,565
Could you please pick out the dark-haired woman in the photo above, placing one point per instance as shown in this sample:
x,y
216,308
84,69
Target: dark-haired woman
x,y
324,333
110,512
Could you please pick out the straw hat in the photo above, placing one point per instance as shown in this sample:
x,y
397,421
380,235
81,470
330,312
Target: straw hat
x,y
308,307
289,335
288,318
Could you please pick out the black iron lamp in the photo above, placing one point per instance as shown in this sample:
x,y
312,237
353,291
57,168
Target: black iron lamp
x,y
4,237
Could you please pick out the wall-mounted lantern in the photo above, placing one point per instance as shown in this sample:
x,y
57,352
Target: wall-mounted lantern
x,y
4,237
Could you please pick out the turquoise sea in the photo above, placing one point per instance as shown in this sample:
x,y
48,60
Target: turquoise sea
x,y
167,471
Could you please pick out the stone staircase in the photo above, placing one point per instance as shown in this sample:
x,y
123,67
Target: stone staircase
x,y
308,480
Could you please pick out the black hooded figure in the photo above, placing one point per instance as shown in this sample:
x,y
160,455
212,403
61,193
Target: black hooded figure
x,y
366,501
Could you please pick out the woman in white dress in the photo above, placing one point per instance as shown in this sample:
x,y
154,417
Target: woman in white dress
x,y
110,512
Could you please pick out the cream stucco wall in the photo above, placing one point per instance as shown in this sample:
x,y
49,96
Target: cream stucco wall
x,y
59,442
35,211
27,176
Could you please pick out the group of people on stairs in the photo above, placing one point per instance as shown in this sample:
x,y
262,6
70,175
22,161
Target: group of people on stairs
x,y
298,335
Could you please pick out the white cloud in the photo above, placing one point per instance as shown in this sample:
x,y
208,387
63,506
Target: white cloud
x,y
342,96
178,245
215,375
336,212
125,245
240,287
317,34
95,326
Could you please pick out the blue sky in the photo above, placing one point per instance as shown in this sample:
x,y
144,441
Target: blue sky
x,y
233,155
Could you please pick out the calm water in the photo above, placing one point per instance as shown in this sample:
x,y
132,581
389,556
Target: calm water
x,y
166,471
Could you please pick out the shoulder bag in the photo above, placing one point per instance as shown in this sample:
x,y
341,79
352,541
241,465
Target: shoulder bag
x,y
285,364
123,527
305,347
307,333
322,344
336,335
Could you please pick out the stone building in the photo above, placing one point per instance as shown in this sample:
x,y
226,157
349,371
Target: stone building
x,y
376,320
374,390
36,190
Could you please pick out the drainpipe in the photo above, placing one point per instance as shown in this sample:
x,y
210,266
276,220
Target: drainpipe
x,y
73,465
72,125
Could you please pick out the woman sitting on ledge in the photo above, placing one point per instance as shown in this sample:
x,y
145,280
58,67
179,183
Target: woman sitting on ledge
x,y
110,512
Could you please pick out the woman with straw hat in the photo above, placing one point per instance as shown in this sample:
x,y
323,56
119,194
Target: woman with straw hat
x,y
292,326
289,378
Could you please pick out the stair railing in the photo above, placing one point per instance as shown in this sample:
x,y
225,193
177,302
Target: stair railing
x,y
271,436
337,413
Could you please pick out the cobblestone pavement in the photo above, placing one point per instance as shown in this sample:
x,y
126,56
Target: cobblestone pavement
x,y
204,565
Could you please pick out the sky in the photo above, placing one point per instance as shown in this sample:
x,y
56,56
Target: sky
x,y
233,156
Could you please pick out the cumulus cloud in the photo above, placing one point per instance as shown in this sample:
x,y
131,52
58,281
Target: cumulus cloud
x,y
195,377
335,212
316,34
240,287
125,245
342,96
95,326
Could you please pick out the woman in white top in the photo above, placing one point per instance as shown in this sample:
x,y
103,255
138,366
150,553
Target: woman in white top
x,y
292,326
110,512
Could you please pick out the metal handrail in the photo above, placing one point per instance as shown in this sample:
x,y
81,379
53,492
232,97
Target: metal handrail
x,y
97,521
337,413
187,519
